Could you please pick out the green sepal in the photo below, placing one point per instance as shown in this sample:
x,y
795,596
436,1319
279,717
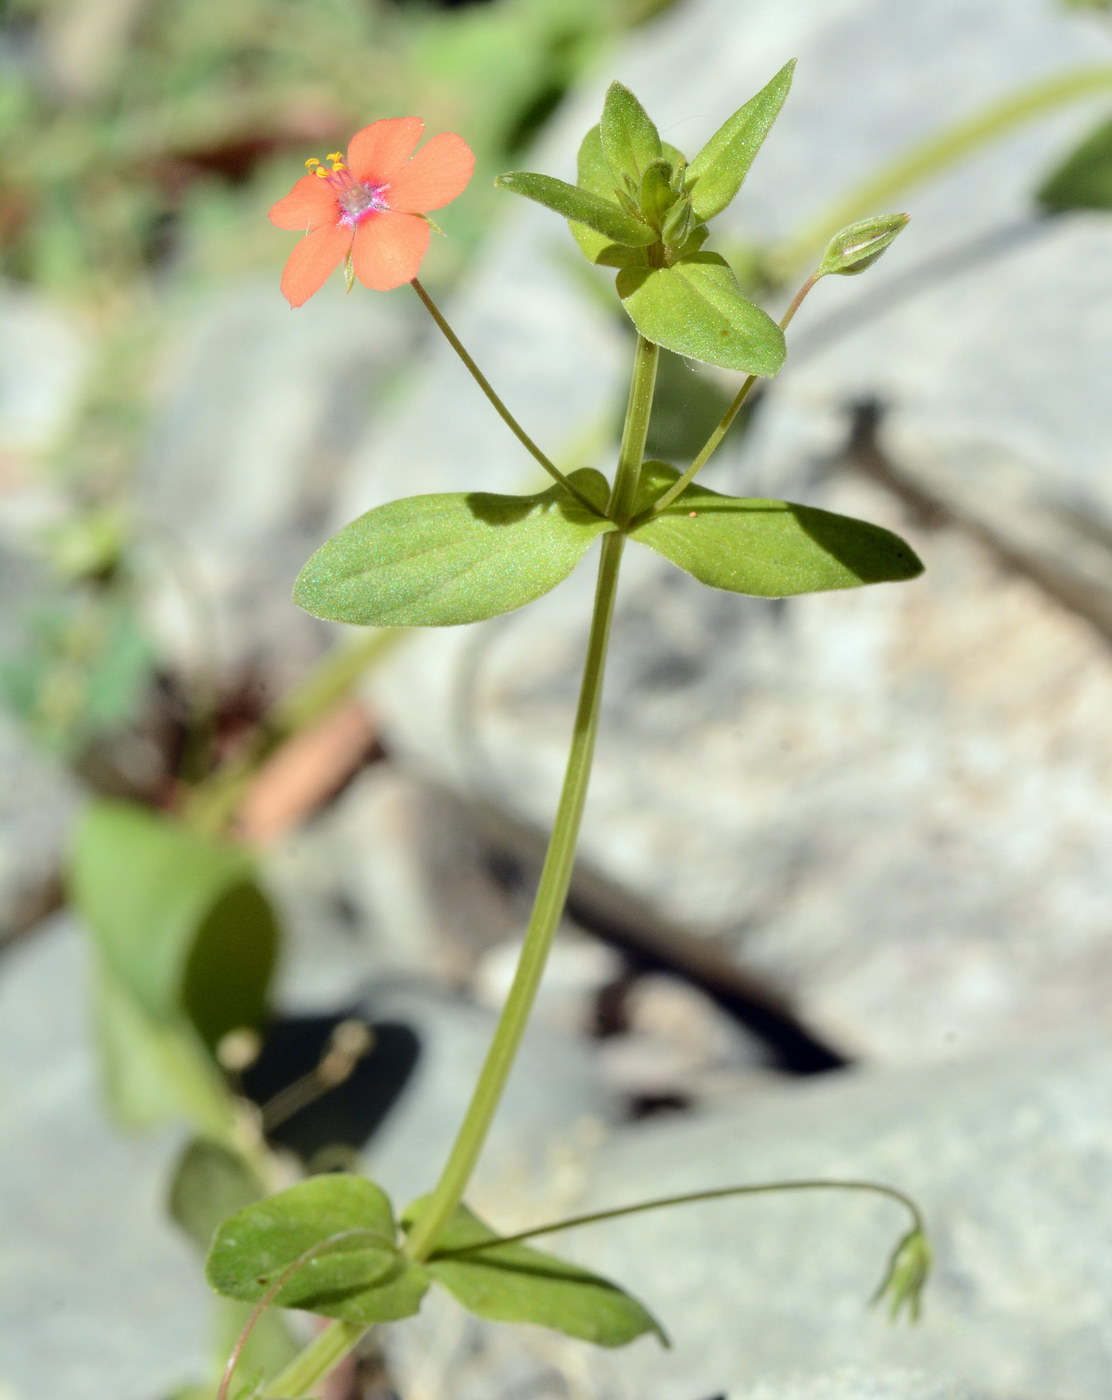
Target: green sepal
x,y
767,549
630,140
580,206
342,1228
679,225
517,1283
858,246
718,171
1084,179
445,559
696,309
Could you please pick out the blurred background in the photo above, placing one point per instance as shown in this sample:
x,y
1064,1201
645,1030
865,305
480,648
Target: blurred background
x,y
844,902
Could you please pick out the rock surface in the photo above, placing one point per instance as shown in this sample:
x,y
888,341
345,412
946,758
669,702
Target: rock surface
x,y
858,1385
885,800
1009,1156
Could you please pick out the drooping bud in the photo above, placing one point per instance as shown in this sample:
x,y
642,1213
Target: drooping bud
x,y
908,1268
859,245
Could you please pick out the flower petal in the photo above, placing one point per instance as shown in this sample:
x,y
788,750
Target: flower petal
x,y
436,175
309,204
388,250
382,148
312,260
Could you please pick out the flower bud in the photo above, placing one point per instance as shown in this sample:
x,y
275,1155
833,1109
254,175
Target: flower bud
x,y
857,247
906,1278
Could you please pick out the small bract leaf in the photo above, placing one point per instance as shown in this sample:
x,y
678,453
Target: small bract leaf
x,y
696,309
718,171
441,560
516,1283
1084,179
595,176
767,549
357,1273
602,215
630,140
859,245
657,195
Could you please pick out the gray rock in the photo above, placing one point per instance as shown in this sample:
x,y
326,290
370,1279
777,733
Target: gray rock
x,y
43,361
858,1385
883,800
96,1282
259,408
1010,1157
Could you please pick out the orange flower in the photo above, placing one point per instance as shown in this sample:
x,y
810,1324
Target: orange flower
x,y
371,206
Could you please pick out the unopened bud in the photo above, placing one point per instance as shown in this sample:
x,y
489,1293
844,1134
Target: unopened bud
x,y
858,246
657,195
238,1050
679,225
908,1268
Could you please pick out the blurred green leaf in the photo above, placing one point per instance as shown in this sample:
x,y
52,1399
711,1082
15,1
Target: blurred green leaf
x,y
718,171
580,207
185,943
696,309
209,1184
767,549
1084,179
357,1273
516,1283
441,560
630,140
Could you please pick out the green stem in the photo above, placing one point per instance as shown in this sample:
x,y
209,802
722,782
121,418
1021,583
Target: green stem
x,y
499,407
679,486
623,497
547,909
944,148
691,1198
322,1354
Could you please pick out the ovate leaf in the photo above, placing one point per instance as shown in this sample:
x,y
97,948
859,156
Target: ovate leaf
x,y
439,560
580,206
768,549
346,1225
717,172
1084,179
696,309
516,1283
630,140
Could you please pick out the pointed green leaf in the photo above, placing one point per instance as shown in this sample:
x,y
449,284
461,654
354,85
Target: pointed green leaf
x,y
582,207
768,549
858,246
357,1273
696,309
596,177
516,1283
630,140
439,560
718,171
1084,179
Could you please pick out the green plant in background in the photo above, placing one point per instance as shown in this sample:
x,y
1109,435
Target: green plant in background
x,y
336,1245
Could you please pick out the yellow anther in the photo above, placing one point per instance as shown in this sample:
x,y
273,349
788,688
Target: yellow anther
x,y
322,173
311,163
337,159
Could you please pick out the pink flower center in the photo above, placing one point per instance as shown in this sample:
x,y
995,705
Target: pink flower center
x,y
356,199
